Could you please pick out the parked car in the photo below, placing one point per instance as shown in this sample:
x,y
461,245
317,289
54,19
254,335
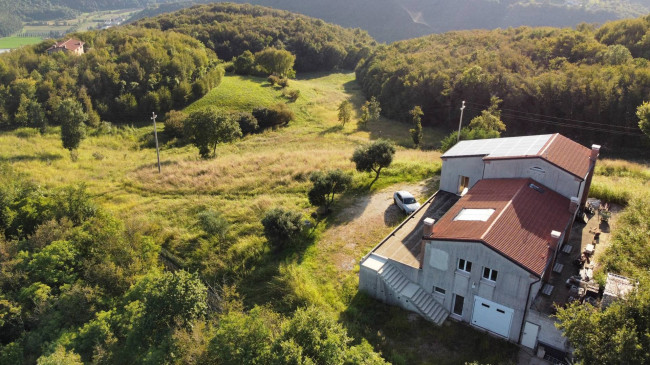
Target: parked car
x,y
405,201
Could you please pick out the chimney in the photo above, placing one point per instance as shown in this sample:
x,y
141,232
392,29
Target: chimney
x,y
427,228
573,206
427,232
595,151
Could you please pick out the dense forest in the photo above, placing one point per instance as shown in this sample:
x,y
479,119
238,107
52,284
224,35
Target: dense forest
x,y
583,82
126,72
231,29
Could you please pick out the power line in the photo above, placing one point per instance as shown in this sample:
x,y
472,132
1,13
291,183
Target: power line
x,y
559,118
560,124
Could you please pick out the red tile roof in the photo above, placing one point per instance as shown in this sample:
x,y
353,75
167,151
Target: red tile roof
x,y
562,152
520,227
70,44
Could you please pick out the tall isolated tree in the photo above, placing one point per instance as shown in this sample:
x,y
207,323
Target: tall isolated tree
x,y
208,127
370,111
345,111
643,113
326,185
374,157
276,61
72,118
416,132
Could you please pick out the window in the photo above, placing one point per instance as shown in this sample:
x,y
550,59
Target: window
x,y
439,290
458,305
463,184
537,169
464,265
474,215
490,274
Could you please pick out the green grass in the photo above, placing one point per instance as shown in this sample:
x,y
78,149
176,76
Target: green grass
x,y
15,42
246,179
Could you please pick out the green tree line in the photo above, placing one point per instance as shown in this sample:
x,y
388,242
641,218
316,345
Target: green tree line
x,y
599,76
231,29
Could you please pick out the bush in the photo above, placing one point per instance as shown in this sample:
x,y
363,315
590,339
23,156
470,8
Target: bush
x,y
281,227
244,64
273,80
247,122
291,94
213,223
283,82
374,157
279,114
175,124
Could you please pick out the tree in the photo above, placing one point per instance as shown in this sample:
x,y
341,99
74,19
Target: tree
x,y
643,113
619,334
374,157
326,185
208,127
244,64
60,356
490,119
345,112
175,124
416,132
281,226
276,61
370,111
71,116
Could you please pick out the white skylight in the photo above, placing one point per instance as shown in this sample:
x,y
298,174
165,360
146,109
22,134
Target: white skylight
x,y
481,215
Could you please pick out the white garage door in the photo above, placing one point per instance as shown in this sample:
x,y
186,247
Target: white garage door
x,y
492,316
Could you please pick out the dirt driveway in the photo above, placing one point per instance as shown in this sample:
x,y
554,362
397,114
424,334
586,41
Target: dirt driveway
x,y
362,224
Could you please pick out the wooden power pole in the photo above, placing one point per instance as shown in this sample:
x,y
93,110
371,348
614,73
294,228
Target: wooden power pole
x,y
155,134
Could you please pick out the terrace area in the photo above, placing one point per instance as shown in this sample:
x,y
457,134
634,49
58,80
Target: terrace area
x,y
403,244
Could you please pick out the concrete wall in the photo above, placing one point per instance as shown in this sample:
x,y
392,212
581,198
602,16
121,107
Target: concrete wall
x,y
511,287
548,334
453,168
553,177
371,283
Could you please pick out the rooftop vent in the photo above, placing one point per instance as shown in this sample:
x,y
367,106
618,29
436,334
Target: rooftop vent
x,y
536,188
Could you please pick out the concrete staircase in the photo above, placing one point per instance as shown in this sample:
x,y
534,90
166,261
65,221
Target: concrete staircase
x,y
428,307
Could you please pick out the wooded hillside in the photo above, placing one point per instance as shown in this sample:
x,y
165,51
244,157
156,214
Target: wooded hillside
x,y
231,29
569,75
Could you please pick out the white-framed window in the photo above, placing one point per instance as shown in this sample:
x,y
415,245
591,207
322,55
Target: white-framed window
x,y
464,265
439,290
490,274
467,214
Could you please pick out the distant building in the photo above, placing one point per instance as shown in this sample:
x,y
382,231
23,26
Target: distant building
x,y
71,45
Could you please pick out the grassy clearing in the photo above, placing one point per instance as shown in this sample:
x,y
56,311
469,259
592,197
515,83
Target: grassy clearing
x,y
15,42
245,180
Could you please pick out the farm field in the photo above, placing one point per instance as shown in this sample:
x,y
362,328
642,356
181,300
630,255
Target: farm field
x,y
15,42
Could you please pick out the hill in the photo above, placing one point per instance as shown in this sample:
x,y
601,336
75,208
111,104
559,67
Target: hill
x,y
583,82
231,29
392,20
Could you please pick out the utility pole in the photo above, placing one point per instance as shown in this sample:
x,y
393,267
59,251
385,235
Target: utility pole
x,y
460,122
155,134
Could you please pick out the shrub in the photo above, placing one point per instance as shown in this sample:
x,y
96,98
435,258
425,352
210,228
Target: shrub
x,y
281,227
213,223
326,185
279,114
247,122
244,64
283,82
374,157
175,124
292,94
273,80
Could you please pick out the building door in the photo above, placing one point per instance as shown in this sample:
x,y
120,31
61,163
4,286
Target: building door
x,y
492,316
529,337
463,185
459,301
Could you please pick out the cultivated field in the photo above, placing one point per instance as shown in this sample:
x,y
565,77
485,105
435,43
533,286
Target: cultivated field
x,y
15,42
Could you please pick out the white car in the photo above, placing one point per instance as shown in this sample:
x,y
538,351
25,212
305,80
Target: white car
x,y
405,201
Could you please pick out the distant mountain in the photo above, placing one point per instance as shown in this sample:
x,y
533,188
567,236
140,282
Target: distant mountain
x,y
391,20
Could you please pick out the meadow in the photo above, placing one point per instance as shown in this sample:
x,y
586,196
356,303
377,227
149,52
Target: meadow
x,y
246,178
15,42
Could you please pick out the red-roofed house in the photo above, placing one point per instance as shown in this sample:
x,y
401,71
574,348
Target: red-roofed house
x,y
504,209
71,45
